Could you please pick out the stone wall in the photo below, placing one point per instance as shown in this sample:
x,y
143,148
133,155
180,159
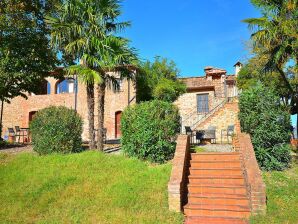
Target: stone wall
x,y
187,104
221,119
177,189
17,112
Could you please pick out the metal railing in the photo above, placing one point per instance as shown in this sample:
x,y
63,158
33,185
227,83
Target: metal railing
x,y
207,115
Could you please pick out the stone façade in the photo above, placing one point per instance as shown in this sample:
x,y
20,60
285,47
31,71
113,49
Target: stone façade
x,y
20,110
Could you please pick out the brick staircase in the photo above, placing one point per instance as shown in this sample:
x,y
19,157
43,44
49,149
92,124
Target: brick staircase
x,y
216,190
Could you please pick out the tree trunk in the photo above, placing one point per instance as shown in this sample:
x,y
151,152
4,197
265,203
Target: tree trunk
x,y
101,104
90,105
1,117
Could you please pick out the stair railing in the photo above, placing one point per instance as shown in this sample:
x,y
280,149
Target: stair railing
x,y
205,116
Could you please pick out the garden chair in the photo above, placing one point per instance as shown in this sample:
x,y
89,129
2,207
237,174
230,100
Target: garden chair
x,y
210,133
12,133
189,132
20,133
200,135
229,132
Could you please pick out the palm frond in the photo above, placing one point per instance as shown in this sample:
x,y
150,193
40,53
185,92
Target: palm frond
x,y
85,74
254,23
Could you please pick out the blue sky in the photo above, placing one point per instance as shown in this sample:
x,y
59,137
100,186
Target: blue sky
x,y
193,33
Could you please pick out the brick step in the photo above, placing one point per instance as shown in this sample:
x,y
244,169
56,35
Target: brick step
x,y
215,195
225,180
198,188
235,211
215,156
218,200
214,220
215,164
215,172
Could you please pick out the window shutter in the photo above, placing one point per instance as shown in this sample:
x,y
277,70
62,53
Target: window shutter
x,y
202,103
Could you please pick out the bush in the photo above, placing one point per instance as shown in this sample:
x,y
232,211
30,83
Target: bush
x,y
168,90
56,129
159,80
149,130
262,115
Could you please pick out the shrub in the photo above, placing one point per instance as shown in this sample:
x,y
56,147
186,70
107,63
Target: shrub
x,y
268,121
168,90
56,129
149,130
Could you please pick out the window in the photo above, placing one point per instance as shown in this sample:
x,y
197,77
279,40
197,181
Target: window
x,y
44,88
119,86
203,103
48,88
65,86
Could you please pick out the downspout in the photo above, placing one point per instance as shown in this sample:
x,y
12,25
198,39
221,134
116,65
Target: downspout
x,y
76,92
1,117
128,102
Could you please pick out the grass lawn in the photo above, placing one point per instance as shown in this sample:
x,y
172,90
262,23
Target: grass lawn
x,y
89,187
282,194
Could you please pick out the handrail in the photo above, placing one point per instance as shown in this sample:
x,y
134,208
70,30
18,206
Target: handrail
x,y
210,112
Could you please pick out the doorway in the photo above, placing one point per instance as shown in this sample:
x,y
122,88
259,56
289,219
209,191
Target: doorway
x,y
118,115
31,115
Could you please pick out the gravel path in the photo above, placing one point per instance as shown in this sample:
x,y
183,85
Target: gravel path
x,y
17,149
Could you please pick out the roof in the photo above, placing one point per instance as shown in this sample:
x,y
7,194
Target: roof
x,y
238,63
195,82
214,71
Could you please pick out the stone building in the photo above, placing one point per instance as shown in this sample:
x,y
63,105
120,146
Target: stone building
x,y
61,92
209,100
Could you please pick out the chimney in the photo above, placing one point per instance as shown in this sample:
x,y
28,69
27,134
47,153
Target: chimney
x,y
238,67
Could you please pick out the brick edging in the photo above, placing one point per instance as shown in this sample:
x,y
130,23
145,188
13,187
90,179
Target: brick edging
x,y
253,176
177,184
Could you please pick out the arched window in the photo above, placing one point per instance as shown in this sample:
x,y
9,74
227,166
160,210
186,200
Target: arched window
x,y
65,86
44,88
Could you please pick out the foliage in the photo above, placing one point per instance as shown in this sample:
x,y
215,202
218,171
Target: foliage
x,y
87,30
282,194
56,129
198,149
25,55
149,130
2,143
158,80
253,73
83,188
275,35
268,122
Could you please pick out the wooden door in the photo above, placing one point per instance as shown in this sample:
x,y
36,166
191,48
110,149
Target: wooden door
x,y
118,124
31,115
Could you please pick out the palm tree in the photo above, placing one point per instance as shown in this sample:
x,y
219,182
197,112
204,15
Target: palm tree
x,y
275,33
85,30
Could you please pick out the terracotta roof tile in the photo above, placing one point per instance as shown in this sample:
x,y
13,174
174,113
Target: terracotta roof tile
x,y
196,82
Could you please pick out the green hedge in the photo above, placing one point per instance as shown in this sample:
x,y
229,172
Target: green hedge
x,y
268,121
56,130
149,130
